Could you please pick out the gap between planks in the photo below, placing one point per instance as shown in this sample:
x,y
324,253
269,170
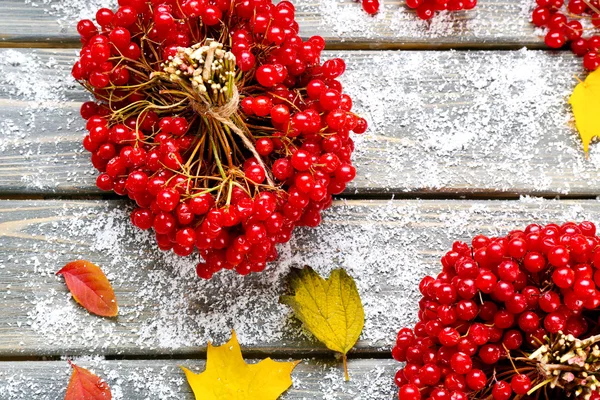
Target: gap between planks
x,y
70,42
322,354
483,194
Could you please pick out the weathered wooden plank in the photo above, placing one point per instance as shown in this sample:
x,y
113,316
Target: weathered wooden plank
x,y
493,24
164,380
491,123
165,309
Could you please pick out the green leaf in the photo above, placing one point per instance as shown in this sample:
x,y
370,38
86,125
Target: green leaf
x,y
330,309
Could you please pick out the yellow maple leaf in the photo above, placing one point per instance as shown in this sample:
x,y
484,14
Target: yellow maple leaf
x,y
227,376
330,309
585,101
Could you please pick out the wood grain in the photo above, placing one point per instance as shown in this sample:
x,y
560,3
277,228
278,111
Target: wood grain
x,y
493,24
387,246
164,380
484,123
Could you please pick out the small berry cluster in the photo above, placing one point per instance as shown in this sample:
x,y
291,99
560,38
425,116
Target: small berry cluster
x,y
426,9
503,318
562,30
219,121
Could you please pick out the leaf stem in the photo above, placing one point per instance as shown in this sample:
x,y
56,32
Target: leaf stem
x,y
345,360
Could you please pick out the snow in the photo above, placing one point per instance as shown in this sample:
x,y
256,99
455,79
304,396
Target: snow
x,y
386,246
459,120
490,20
42,125
69,12
164,380
449,120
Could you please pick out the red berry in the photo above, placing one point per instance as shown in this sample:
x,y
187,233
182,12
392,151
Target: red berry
x,y
410,392
425,11
520,384
591,61
540,16
555,38
370,6
167,199
563,277
476,379
461,363
501,391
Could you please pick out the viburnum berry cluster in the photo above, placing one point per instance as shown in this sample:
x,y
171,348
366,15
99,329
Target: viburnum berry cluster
x,y
512,317
563,29
219,121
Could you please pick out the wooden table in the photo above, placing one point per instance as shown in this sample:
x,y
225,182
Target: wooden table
x,y
465,141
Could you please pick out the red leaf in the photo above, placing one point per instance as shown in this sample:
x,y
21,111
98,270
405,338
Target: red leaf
x,y
84,385
90,288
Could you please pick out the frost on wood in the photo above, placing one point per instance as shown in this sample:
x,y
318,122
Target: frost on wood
x,y
438,120
395,23
164,380
486,121
69,12
386,246
41,125
346,21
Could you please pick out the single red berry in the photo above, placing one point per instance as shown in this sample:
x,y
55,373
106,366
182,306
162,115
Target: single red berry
x,y
501,391
476,379
410,392
555,38
461,363
167,199
520,384
370,6
540,16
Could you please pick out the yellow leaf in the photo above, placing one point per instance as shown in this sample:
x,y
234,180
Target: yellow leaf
x,y
330,309
585,101
227,376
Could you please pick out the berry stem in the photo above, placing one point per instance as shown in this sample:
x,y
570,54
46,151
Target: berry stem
x,y
217,159
539,385
590,5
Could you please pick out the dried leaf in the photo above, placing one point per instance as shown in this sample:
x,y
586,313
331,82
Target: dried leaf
x,y
330,309
90,287
227,376
585,101
84,385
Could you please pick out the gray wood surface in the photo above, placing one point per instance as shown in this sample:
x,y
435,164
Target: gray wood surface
x,y
164,380
443,123
387,246
492,24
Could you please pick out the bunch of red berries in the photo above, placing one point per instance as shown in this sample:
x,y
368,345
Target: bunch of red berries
x,y
219,121
562,30
506,317
426,9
